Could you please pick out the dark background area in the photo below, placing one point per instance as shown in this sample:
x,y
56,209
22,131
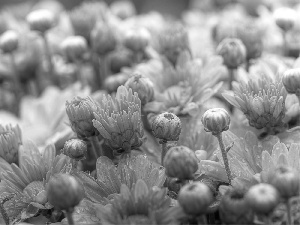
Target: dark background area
x,y
167,7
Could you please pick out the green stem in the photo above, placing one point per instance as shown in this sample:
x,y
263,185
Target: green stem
x,y
201,219
78,73
224,155
103,68
231,79
51,72
96,67
94,143
17,84
289,214
3,211
69,217
164,150
74,163
267,220
284,46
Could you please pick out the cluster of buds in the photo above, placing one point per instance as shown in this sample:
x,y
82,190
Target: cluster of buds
x,y
10,141
195,198
181,162
81,114
143,86
118,120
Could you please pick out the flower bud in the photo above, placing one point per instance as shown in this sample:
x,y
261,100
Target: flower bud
x,y
10,141
262,198
216,120
74,48
285,18
195,198
119,59
123,9
166,126
81,114
103,39
75,149
143,86
40,20
180,162
291,81
9,41
233,52
64,191
112,83
286,181
234,208
137,39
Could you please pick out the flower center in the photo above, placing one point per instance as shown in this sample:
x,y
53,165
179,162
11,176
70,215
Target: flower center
x,y
169,116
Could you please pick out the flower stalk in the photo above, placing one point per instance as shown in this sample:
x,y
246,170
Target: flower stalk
x,y
69,216
224,156
17,84
289,214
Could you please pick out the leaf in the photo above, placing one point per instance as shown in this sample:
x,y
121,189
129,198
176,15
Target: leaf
x,y
290,136
29,212
214,170
229,96
140,190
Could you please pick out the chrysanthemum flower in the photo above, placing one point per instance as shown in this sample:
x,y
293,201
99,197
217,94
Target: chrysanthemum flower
x,y
118,120
110,178
262,102
10,141
140,205
28,181
187,86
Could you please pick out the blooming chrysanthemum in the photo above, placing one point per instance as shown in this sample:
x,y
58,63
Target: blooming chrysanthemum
x,y
262,102
187,86
10,141
110,178
118,120
140,205
28,181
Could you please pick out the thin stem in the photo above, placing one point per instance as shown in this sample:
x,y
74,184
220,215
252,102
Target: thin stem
x,y
74,163
96,67
78,73
289,214
103,68
51,72
93,141
267,219
248,64
201,219
164,150
17,84
231,79
284,46
224,155
69,217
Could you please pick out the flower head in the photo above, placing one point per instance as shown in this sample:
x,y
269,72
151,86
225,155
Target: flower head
x,y
74,48
118,120
28,181
75,149
291,81
173,41
140,205
41,20
137,39
10,141
81,114
285,18
216,120
9,41
85,16
262,102
233,52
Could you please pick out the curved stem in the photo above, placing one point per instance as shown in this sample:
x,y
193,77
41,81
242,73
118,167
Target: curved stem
x,y
231,79
69,217
289,214
284,46
93,141
224,155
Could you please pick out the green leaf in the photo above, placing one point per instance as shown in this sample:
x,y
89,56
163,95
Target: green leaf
x,y
214,170
294,156
29,212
